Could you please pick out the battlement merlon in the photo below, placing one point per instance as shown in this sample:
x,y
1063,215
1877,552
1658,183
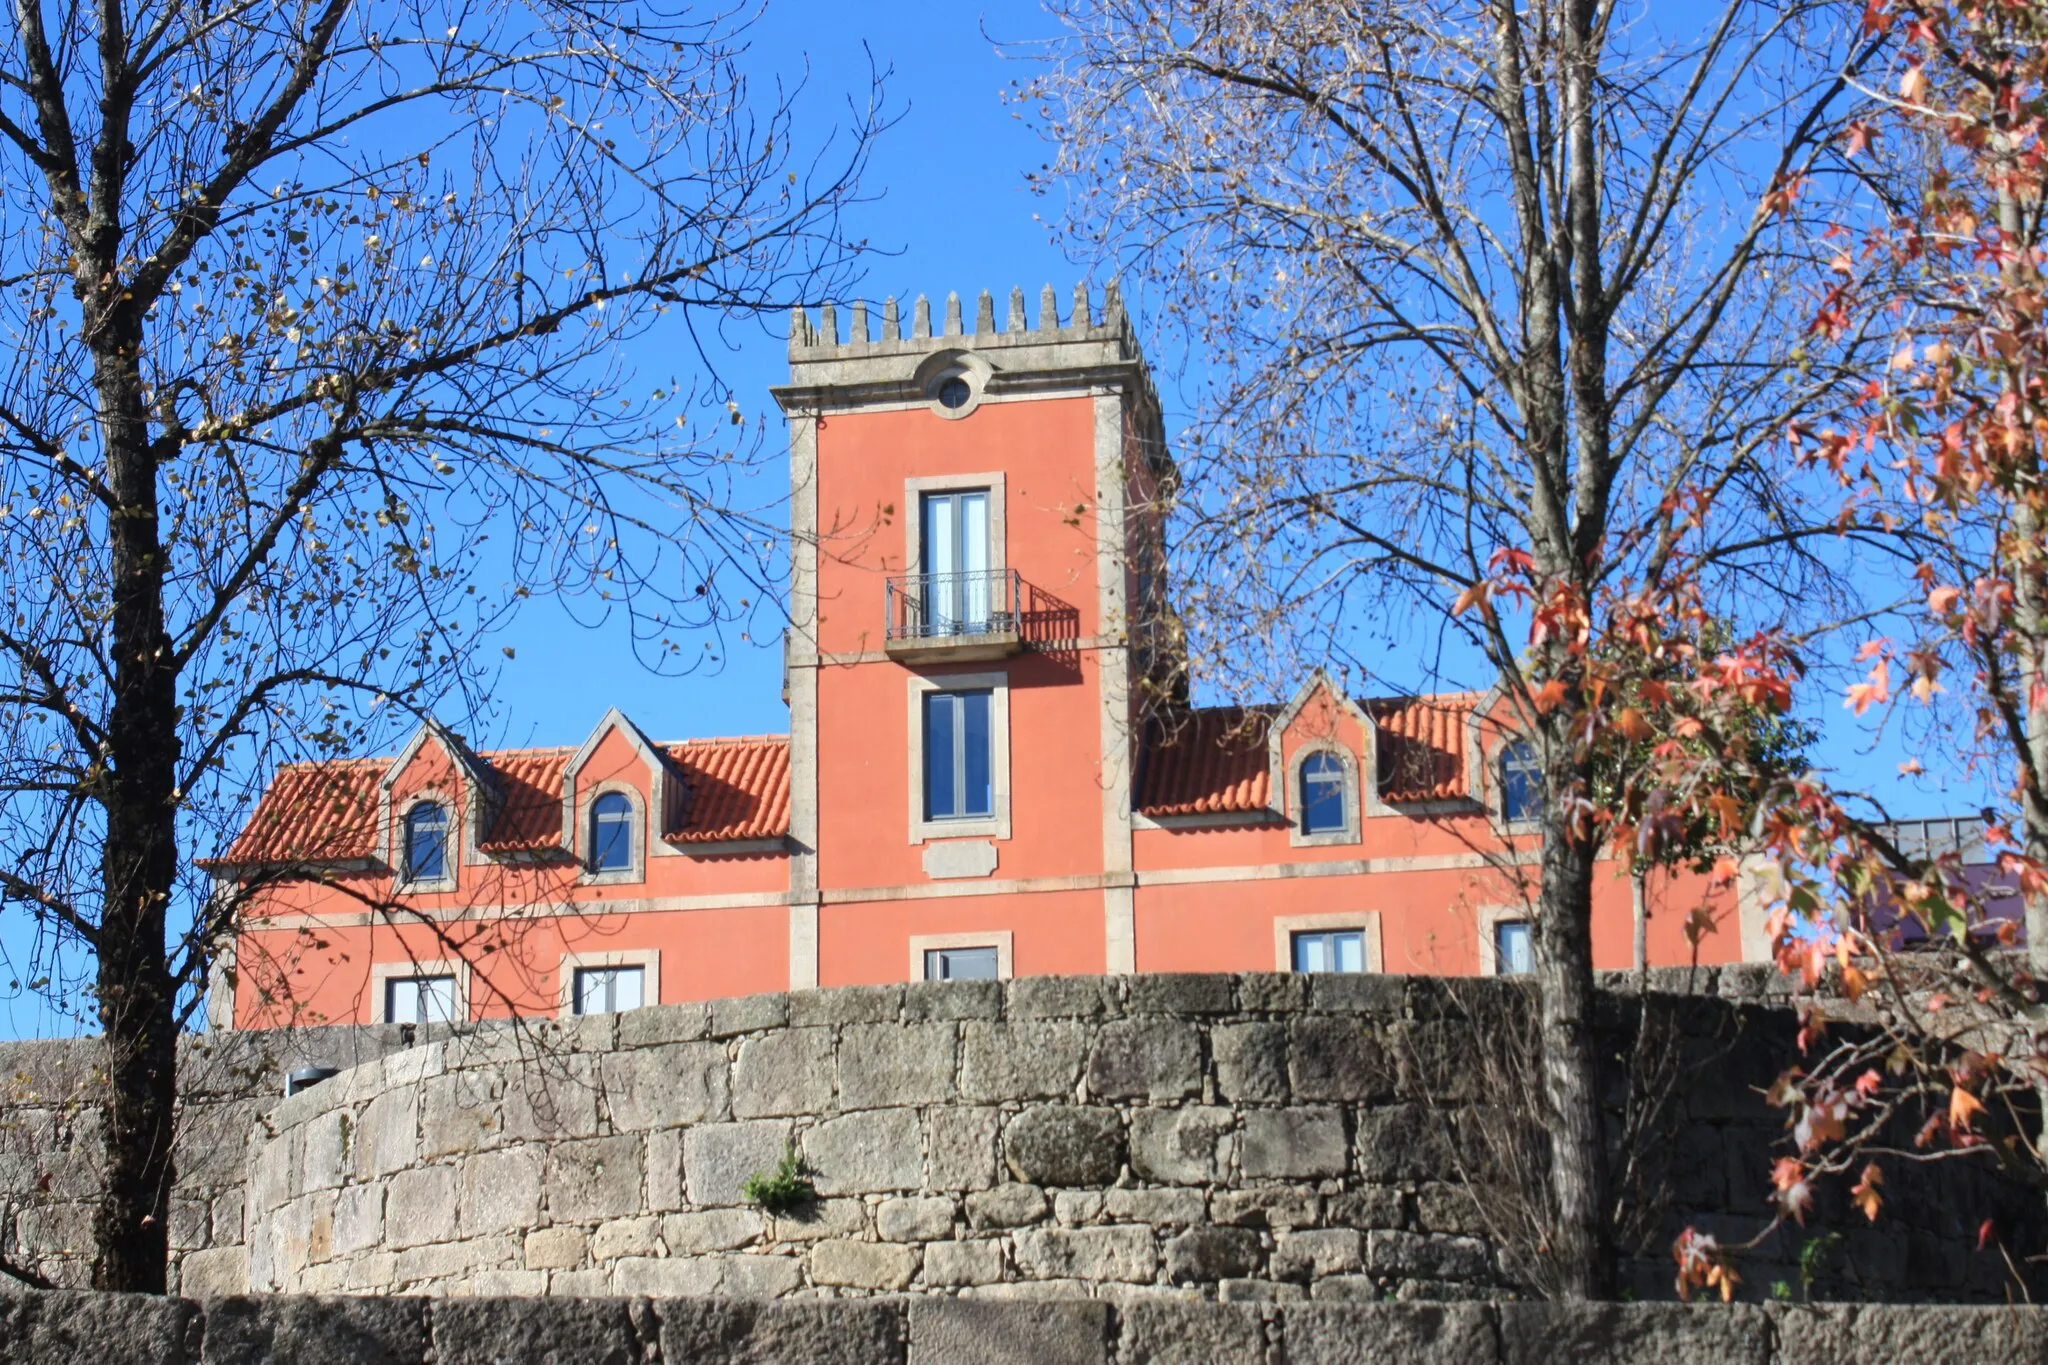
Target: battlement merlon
x,y
889,357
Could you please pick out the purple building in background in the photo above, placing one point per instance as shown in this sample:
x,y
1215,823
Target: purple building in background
x,y
1934,838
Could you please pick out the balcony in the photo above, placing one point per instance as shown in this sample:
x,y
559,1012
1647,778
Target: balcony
x,y
954,617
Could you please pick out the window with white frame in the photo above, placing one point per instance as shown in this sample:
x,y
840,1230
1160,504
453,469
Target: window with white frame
x,y
954,545
419,1000
1521,782
1330,950
1514,950
612,833
978,963
959,755
607,990
424,857
1325,795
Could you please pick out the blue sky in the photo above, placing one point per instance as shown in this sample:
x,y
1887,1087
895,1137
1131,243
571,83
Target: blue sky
x,y
948,210
948,205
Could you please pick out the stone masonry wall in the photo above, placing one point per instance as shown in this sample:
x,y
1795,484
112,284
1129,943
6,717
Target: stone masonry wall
x,y
49,1144
115,1329
1232,1138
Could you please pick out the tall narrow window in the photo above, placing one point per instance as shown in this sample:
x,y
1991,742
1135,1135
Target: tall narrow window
x,y
426,842
1339,950
1513,951
1323,795
959,752
419,1000
607,990
956,563
611,833
1521,782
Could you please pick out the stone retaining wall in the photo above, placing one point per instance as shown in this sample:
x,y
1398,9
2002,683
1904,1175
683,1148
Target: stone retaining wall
x,y
1268,1137
58,1329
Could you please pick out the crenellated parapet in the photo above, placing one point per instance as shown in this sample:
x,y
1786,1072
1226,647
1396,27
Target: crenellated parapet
x,y
814,337
858,353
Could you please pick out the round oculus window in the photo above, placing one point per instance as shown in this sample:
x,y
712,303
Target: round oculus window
x,y
955,393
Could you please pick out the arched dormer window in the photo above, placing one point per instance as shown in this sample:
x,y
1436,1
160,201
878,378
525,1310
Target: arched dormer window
x,y
426,842
1323,795
1521,783
612,833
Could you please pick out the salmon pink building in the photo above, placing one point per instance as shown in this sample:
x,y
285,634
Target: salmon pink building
x,y
983,775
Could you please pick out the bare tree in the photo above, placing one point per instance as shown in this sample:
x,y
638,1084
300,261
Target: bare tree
x,y
1486,302
314,313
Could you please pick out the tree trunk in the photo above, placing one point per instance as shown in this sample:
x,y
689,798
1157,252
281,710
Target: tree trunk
x,y
139,862
1571,1072
1639,897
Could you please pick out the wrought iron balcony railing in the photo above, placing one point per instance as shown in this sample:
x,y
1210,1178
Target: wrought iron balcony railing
x,y
930,611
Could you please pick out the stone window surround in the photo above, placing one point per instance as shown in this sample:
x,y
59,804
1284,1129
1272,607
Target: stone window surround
x,y
1000,939
1496,795
1365,922
648,960
382,973
586,804
451,856
1349,834
1489,917
996,826
998,515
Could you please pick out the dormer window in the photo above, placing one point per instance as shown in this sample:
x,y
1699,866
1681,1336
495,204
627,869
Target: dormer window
x,y
1322,795
1521,783
426,843
611,833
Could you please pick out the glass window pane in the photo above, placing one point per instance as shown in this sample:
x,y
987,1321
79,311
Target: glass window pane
x,y
1341,950
419,1000
426,842
978,798
1322,794
437,1000
606,990
960,964
941,797
611,833
1521,782
1513,950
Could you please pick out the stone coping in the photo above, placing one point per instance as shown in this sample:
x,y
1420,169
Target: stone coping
x,y
119,1329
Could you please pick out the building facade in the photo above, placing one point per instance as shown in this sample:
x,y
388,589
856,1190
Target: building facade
x,y
983,774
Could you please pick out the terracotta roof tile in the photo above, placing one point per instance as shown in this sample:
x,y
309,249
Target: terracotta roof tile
x,y
313,812
739,789
530,794
1207,761
1422,743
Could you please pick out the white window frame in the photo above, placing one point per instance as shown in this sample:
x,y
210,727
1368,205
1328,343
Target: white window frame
x,y
382,974
648,960
1497,785
997,824
1000,939
635,871
1348,763
1365,923
998,518
1491,917
451,853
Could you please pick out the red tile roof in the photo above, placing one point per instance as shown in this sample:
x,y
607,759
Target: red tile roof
x,y
313,812
736,789
530,800
1212,760
1422,742
739,789
1206,761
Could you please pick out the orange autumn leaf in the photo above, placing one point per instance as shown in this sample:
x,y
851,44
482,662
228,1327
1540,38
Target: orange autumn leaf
x,y
1963,1107
1550,696
1865,1196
